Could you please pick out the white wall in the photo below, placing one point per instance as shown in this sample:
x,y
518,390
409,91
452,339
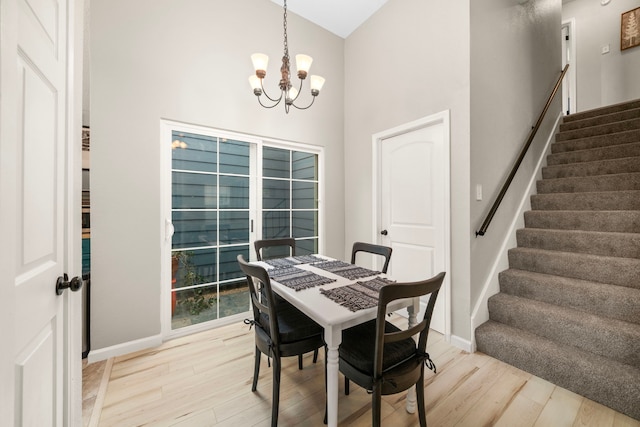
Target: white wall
x,y
603,79
515,62
408,61
188,61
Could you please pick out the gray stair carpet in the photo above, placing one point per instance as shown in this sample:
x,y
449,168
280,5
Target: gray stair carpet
x,y
568,309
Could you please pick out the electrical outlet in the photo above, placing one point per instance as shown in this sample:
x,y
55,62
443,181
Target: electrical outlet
x,y
605,49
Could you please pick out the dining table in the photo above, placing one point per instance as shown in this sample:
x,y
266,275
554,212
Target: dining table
x,y
329,301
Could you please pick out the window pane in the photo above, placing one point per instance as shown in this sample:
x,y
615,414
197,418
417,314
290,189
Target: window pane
x,y
193,191
234,192
193,306
229,268
275,162
305,165
193,152
305,223
194,229
275,194
276,252
234,157
234,227
305,195
234,298
306,246
275,225
193,267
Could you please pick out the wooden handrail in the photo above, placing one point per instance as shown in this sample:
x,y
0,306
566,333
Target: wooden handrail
x,y
524,150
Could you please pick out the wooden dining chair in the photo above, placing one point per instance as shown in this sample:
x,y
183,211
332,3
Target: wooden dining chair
x,y
384,251
262,252
275,243
280,330
384,359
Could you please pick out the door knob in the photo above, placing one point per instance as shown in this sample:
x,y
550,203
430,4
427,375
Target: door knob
x,y
384,232
63,283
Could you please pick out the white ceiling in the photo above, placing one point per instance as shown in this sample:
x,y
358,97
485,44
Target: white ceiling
x,y
340,17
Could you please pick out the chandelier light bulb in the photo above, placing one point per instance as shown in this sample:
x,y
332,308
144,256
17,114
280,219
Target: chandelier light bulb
x,y
254,81
303,63
260,62
316,84
293,94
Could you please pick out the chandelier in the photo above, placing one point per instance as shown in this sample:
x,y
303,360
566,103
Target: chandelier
x,y
287,91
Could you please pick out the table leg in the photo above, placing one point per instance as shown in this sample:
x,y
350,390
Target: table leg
x,y
332,337
412,310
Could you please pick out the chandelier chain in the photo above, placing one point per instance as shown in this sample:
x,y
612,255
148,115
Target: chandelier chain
x,y
286,44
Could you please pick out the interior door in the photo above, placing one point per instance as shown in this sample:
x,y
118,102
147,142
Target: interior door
x,y
414,207
569,98
39,154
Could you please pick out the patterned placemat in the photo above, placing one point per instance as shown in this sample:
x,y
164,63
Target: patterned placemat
x,y
343,269
293,260
358,296
298,279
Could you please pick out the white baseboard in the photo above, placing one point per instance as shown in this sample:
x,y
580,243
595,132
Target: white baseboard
x,y
124,348
461,343
480,312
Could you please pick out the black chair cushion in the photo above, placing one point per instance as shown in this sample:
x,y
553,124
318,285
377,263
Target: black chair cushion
x,y
359,342
294,325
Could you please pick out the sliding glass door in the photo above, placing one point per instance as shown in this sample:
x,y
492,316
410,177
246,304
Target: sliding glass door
x,y
210,215
225,194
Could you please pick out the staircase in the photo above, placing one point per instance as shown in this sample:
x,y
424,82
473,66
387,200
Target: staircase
x,y
568,309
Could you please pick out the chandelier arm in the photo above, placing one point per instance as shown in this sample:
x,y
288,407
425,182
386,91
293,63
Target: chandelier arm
x,y
264,92
269,106
299,91
304,108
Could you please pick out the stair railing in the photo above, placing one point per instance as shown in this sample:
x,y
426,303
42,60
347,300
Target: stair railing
x,y
523,151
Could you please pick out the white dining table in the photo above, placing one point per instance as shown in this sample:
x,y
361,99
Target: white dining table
x,y
334,318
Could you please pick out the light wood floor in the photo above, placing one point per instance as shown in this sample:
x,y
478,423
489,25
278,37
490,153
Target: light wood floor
x,y
205,380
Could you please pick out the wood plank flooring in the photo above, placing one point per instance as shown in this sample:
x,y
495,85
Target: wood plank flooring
x,y
205,380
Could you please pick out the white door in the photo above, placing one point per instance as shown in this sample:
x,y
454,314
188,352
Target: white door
x,y
40,370
413,204
568,57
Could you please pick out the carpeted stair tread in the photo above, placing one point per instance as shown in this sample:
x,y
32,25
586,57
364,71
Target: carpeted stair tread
x,y
625,245
568,309
610,182
616,339
614,302
598,378
615,221
599,130
606,140
609,109
603,200
599,167
617,116
594,154
597,268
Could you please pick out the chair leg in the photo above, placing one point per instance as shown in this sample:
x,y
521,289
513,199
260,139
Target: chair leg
x,y
315,355
300,362
422,416
256,370
275,399
346,386
376,401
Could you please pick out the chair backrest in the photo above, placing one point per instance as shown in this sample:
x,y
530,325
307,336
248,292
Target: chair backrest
x,y
270,243
385,251
262,298
397,291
